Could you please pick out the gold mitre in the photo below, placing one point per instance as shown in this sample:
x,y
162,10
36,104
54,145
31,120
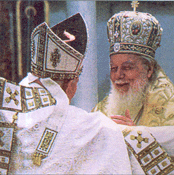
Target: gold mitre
x,y
134,32
58,52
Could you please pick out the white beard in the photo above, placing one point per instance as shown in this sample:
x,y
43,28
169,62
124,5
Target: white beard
x,y
133,100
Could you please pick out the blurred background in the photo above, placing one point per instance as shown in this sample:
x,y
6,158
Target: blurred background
x,y
19,18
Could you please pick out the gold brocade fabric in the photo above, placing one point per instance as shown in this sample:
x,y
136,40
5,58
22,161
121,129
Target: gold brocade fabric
x,y
158,109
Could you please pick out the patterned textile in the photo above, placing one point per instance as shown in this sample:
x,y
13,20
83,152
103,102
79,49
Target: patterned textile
x,y
6,143
52,56
18,98
134,32
150,155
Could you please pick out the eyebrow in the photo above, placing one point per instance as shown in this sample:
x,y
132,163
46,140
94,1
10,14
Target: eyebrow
x,y
128,62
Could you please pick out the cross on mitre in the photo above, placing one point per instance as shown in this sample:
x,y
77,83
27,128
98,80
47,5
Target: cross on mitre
x,y
134,5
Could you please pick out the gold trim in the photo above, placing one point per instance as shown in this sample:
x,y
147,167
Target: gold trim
x,y
24,100
126,131
45,144
154,162
5,152
38,68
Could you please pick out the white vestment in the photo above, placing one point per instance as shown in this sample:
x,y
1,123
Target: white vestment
x,y
86,143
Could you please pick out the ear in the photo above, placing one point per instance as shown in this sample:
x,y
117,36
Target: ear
x,y
150,71
71,88
68,88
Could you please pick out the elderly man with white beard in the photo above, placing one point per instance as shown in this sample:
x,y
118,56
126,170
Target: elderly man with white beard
x,y
141,93
130,80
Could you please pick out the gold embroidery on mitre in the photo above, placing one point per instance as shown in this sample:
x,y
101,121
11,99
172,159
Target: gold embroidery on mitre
x,y
136,32
48,56
55,57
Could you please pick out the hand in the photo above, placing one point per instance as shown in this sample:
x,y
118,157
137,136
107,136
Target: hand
x,y
123,120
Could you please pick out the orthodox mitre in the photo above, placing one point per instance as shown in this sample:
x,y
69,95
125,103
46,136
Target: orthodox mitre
x,y
134,32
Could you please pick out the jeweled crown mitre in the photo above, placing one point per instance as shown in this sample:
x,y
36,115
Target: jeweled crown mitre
x,y
58,52
134,32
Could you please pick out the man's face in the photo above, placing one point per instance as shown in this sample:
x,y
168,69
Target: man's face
x,y
127,72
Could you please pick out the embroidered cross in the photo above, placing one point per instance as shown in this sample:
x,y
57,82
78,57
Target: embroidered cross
x,y
139,139
55,57
1,142
134,5
12,96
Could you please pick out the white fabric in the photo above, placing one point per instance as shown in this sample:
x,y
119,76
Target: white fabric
x,y
86,143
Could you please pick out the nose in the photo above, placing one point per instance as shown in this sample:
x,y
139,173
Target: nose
x,y
119,74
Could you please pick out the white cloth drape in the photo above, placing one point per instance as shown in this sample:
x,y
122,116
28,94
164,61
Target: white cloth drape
x,y
86,143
